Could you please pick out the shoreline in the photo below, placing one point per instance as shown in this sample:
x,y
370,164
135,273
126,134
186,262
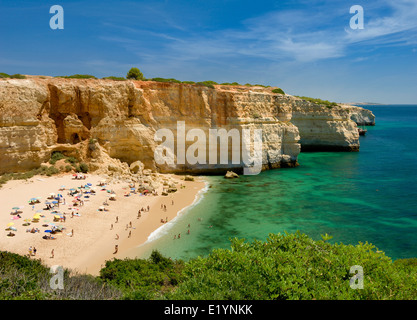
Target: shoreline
x,y
94,239
141,249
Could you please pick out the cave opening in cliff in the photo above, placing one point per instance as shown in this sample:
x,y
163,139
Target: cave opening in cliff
x,y
75,138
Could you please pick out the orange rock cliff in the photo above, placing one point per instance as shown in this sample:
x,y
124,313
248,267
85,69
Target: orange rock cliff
x,y
112,124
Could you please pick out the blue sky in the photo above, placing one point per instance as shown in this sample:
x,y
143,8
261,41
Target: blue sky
x,y
305,47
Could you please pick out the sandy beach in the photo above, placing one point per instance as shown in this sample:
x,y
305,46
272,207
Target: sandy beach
x,y
88,235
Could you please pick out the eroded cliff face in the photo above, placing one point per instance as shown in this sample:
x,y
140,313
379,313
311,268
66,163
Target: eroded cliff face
x,y
324,128
39,116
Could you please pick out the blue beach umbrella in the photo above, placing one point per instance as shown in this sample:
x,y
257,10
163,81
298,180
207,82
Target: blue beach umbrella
x,y
48,231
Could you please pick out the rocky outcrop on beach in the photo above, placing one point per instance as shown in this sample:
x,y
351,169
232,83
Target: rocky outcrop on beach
x,y
111,125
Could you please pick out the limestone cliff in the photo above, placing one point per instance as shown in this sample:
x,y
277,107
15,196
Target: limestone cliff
x,y
324,128
42,115
362,116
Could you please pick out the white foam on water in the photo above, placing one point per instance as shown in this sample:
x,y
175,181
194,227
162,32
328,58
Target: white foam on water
x,y
163,230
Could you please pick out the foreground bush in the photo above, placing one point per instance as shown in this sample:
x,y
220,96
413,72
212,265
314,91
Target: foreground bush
x,y
22,278
143,279
285,266
293,266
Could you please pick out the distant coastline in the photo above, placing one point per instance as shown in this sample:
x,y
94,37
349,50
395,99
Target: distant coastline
x,y
365,103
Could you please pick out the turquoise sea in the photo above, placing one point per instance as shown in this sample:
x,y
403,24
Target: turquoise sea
x,y
370,195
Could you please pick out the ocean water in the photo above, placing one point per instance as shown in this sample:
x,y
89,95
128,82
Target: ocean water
x,y
366,196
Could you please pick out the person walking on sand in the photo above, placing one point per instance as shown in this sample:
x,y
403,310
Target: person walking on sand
x,y
34,251
30,251
130,233
117,236
111,226
148,208
52,253
116,248
72,232
117,219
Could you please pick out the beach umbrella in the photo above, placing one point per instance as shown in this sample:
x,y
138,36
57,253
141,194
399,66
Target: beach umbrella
x,y
48,231
54,201
15,208
10,224
89,184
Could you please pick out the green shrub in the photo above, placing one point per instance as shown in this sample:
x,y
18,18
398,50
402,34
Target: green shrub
x,y
188,82
115,78
13,76
278,90
22,278
83,167
165,80
78,76
294,267
141,278
71,160
134,74
18,76
208,83
319,101
68,168
56,155
51,171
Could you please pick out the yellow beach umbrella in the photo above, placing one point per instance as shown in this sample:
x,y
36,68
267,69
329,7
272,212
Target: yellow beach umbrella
x,y
36,217
10,224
